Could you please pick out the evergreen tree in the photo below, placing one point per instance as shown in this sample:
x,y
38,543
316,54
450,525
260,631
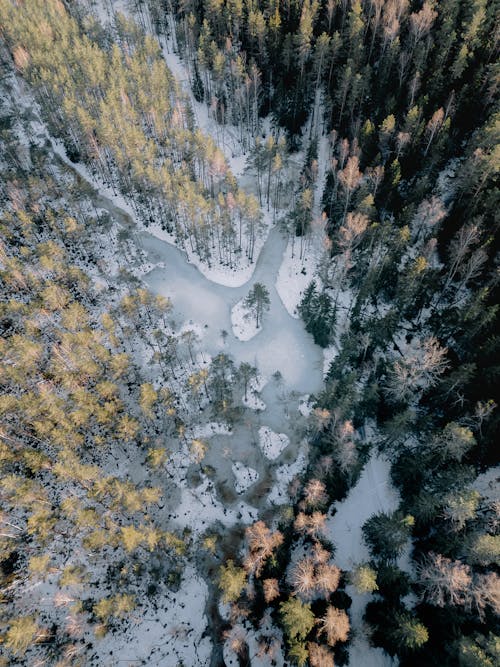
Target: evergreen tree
x,y
257,301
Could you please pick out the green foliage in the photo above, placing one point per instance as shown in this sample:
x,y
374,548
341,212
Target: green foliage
x,y
21,634
485,550
409,634
387,534
257,301
297,618
364,579
232,581
481,652
392,582
318,313
298,653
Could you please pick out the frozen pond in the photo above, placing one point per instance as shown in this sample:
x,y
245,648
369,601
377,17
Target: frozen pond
x,y
282,343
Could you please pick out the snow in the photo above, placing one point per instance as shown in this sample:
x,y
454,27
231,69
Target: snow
x,y
166,636
361,654
301,257
199,508
305,408
372,494
488,484
244,476
329,354
271,443
294,276
209,429
253,400
243,323
284,475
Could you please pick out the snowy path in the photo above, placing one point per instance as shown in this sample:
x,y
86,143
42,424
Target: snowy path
x,y
372,494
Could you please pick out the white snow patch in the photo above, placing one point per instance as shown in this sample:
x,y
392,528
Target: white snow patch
x,y
209,429
372,494
284,475
199,508
294,276
329,354
244,476
253,400
488,484
242,322
361,654
167,635
305,408
271,443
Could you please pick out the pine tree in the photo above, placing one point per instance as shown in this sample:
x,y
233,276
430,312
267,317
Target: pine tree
x,y
387,534
257,301
297,618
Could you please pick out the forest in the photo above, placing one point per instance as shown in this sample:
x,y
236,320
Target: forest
x,y
249,349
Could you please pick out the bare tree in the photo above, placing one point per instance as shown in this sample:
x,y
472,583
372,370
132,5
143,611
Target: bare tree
x,y
433,127
303,578
428,217
443,581
261,544
319,656
335,625
486,592
418,370
310,524
349,178
315,494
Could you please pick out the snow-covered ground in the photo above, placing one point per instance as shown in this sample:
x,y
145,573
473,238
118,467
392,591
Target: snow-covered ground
x,y
372,494
244,476
168,636
284,475
243,323
488,484
253,400
271,443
